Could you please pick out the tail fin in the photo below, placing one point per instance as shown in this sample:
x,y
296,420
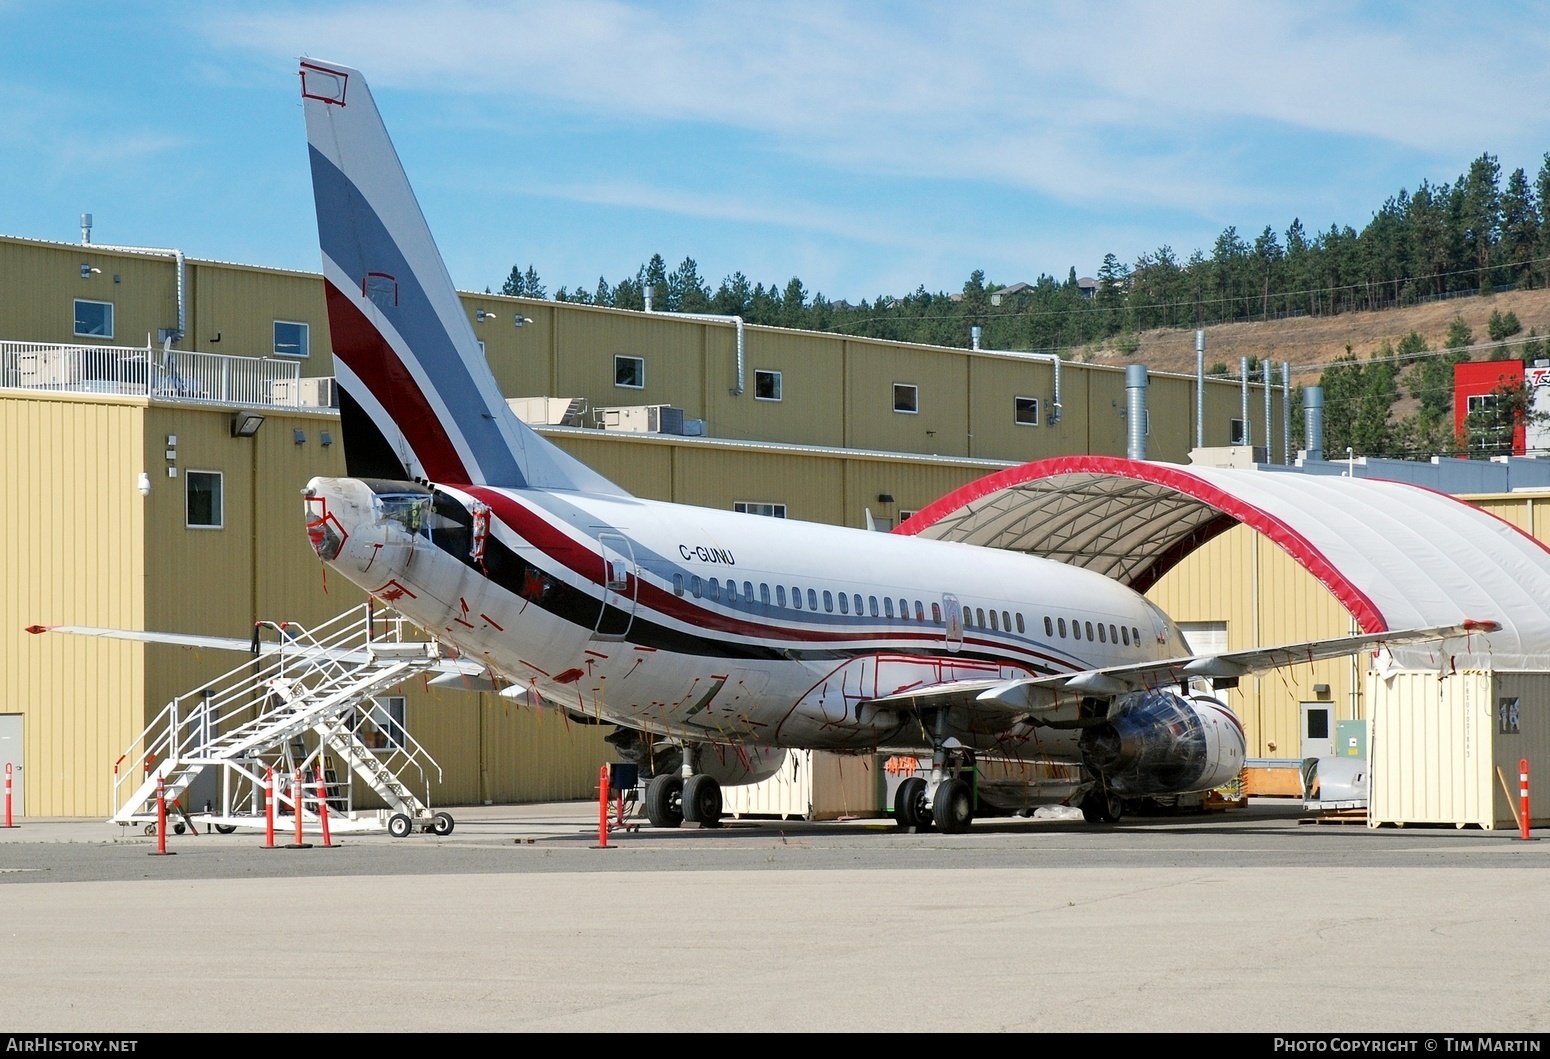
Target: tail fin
x,y
417,398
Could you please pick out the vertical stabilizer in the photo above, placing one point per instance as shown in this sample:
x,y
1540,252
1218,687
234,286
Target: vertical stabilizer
x,y
417,398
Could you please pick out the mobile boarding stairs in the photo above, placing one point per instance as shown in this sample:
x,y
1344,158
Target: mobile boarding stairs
x,y
303,706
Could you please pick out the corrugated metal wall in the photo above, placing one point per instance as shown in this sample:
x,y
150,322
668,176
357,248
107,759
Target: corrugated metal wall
x,y
71,539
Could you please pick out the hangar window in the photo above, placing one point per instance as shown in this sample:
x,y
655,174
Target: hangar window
x,y
906,397
204,507
630,372
766,385
384,724
751,507
93,319
1025,411
290,339
1235,433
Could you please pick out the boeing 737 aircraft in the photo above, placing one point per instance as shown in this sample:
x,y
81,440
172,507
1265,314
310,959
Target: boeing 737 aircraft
x,y
713,640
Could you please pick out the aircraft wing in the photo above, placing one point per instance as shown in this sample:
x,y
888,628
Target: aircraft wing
x,y
1009,699
451,672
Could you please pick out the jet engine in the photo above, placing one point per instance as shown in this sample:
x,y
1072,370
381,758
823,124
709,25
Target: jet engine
x,y
1157,742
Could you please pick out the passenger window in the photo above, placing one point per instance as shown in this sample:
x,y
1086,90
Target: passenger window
x,y
887,606
731,591
936,613
1076,629
812,599
1049,627
1102,638
856,600
1125,635
828,601
993,627
979,617
780,595
748,592
796,597
715,589
1089,632
904,609
694,585
1006,621
678,584
844,602
764,593
1113,634
920,611
1062,628
872,605
1135,636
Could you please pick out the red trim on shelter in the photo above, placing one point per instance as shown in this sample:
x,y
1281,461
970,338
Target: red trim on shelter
x,y
1368,618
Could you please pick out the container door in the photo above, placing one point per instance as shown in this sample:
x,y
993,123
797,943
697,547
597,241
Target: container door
x,y
1318,729
11,762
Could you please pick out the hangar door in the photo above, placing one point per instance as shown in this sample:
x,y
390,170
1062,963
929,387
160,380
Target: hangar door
x,y
11,760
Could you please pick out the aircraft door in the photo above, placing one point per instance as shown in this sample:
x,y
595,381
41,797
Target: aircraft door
x,y
953,611
620,584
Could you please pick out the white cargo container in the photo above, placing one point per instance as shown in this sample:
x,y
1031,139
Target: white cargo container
x,y
811,785
1445,747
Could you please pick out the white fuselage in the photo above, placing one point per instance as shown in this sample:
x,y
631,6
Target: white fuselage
x,y
730,628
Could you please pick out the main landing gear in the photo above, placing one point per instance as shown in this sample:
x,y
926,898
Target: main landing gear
x,y
1100,805
673,799
946,801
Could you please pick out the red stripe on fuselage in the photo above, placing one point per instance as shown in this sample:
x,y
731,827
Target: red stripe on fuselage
x,y
361,346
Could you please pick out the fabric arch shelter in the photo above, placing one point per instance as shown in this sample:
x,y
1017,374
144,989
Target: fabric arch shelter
x,y
1397,556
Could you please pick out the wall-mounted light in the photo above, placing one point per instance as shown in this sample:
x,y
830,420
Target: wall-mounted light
x,y
246,424
144,484
1321,690
299,436
481,315
325,438
87,271
523,320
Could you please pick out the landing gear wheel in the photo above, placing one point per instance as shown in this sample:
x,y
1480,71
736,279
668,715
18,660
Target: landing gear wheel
x,y
702,801
226,829
953,807
909,804
442,824
1101,806
179,828
400,826
664,801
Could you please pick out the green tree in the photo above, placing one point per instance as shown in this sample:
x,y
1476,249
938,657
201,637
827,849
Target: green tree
x,y
1502,325
520,284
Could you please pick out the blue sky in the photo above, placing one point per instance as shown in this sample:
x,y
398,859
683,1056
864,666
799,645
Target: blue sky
x,y
865,147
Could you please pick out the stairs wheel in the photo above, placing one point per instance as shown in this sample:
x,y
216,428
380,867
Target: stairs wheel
x,y
400,826
442,824
226,829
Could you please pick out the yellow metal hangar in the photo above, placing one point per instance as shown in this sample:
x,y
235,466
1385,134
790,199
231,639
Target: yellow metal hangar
x,y
147,492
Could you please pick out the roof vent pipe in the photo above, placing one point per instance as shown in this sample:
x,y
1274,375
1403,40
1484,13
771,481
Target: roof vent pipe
x,y
742,349
1286,413
1135,411
974,337
648,290
1200,389
1313,420
1269,423
1243,385
176,334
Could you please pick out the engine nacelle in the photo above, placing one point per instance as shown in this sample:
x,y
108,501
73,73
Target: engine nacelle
x,y
1157,742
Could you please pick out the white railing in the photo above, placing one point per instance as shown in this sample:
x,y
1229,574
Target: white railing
x,y
151,372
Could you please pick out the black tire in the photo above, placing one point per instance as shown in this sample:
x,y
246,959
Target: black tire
x,y
400,826
178,828
1101,806
909,803
442,824
702,801
953,807
226,829
664,801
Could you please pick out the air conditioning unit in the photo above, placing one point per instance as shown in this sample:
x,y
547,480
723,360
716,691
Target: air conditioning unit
x,y
549,411
641,419
320,392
